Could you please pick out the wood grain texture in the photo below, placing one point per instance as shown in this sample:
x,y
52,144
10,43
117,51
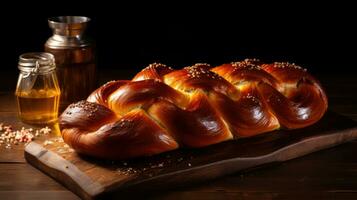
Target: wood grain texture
x,y
90,178
25,176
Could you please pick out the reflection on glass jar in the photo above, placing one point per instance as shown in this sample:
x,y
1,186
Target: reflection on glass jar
x,y
75,58
37,90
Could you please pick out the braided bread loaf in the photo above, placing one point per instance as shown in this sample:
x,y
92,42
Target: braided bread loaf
x,y
161,109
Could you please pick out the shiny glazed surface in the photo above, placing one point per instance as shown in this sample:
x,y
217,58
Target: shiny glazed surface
x,y
161,109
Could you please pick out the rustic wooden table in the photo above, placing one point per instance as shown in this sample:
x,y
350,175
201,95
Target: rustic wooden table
x,y
328,174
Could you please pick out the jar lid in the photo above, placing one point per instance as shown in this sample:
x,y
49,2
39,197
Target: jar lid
x,y
37,62
68,25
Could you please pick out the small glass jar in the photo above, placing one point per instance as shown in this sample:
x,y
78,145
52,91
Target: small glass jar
x,y
37,90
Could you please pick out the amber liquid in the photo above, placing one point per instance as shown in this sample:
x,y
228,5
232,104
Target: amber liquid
x,y
76,82
76,73
38,106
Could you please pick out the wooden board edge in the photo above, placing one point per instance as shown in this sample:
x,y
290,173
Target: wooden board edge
x,y
36,155
62,170
229,166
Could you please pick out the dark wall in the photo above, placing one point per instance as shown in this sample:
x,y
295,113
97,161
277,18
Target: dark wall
x,y
319,37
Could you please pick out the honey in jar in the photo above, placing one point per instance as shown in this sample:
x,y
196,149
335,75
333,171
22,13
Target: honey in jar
x,y
37,90
75,58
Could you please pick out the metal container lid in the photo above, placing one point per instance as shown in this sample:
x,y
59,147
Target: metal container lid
x,y
36,62
68,25
68,32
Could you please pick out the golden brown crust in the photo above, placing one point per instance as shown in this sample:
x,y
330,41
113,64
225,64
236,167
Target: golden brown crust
x,y
101,94
142,94
196,106
154,71
196,126
86,115
131,135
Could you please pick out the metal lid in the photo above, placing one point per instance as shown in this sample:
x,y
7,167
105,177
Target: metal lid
x,y
68,32
68,25
36,62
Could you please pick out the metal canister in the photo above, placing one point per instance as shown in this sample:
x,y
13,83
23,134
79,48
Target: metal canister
x,y
75,57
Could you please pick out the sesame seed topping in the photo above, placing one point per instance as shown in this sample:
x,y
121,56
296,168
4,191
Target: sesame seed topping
x,y
124,123
249,64
201,65
252,98
283,65
201,70
251,60
87,106
156,66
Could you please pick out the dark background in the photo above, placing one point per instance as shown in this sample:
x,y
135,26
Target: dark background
x,y
320,37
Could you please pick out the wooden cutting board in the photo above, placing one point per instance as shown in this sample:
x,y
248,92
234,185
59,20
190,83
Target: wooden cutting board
x,y
92,179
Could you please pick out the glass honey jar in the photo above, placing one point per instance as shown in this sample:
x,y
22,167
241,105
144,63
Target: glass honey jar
x,y
37,91
75,58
